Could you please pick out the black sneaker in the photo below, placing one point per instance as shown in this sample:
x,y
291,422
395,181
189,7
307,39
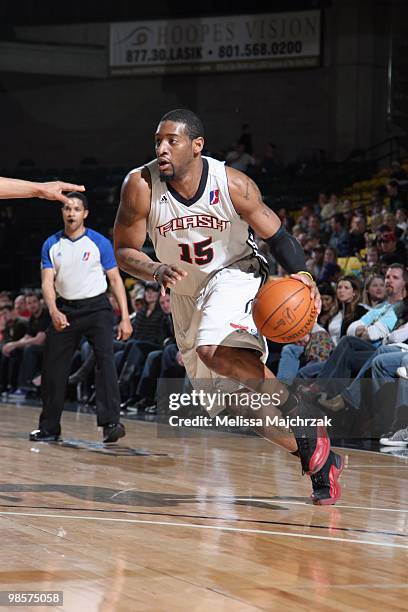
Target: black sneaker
x,y
326,488
39,435
112,432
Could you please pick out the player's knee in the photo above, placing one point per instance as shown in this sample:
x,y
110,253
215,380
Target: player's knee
x,y
213,358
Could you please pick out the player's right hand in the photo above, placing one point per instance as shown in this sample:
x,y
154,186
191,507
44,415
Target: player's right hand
x,y
59,320
168,275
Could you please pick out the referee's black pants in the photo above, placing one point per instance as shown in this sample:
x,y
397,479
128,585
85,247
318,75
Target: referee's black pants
x,y
92,318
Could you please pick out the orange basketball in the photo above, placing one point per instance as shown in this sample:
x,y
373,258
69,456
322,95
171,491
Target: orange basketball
x,y
283,310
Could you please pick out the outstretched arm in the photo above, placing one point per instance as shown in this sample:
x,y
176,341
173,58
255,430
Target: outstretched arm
x,y
54,190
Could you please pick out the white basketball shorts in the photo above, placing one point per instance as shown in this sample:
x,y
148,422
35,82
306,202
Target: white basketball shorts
x,y
220,315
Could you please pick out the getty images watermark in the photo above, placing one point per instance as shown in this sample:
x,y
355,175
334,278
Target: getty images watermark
x,y
216,402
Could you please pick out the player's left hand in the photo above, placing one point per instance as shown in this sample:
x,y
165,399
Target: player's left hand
x,y
125,330
53,190
314,292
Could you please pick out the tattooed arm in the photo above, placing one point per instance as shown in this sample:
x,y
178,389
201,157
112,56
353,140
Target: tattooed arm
x,y
248,203
130,231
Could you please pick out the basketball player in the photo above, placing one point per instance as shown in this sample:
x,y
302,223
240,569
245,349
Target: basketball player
x,y
200,216
15,188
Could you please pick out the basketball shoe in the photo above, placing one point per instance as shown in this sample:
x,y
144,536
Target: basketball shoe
x,y
326,488
313,441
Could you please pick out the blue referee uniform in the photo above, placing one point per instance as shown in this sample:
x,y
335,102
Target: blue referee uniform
x,y
80,284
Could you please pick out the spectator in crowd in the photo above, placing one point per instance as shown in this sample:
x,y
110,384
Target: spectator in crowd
x,y
339,238
314,229
245,140
331,270
149,331
14,328
374,291
164,363
329,304
20,306
346,209
372,263
397,171
357,234
270,164
25,354
137,299
285,218
5,298
401,220
396,198
303,220
240,159
329,207
391,249
348,294
315,262
313,349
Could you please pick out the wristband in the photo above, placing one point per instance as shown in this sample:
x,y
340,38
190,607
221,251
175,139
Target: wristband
x,y
155,273
308,274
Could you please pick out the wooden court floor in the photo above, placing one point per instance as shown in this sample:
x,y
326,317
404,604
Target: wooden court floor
x,y
211,522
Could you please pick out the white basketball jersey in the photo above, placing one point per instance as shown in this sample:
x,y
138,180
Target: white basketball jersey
x,y
201,235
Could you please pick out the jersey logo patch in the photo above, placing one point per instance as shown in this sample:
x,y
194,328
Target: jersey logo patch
x,y
86,255
215,196
163,199
239,327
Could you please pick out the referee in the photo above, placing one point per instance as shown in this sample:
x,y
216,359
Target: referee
x,y
74,263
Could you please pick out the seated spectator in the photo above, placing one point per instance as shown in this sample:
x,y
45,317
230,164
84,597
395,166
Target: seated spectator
x,y
20,307
357,234
346,209
239,159
374,291
391,249
285,219
397,200
5,298
348,294
25,354
245,140
270,164
303,221
165,363
331,270
397,171
149,331
339,238
137,298
315,263
390,220
329,208
312,349
401,219
329,304
14,328
372,262
314,229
